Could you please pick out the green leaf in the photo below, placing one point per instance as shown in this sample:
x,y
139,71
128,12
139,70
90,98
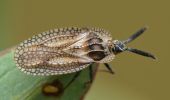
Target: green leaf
x,y
15,85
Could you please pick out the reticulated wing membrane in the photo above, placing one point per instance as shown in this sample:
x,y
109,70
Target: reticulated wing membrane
x,y
44,54
103,34
64,50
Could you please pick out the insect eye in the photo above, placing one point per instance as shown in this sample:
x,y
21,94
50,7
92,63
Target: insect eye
x,y
121,45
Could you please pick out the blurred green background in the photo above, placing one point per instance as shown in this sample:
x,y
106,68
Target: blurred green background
x,y
136,78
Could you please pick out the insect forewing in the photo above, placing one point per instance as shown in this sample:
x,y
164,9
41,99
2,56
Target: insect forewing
x,y
61,51
44,54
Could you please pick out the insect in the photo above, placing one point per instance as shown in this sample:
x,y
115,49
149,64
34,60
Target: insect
x,y
67,50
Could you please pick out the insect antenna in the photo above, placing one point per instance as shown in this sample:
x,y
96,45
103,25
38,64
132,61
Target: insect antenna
x,y
135,35
120,46
143,53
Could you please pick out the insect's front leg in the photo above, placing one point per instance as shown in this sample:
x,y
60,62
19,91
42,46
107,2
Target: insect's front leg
x,y
109,68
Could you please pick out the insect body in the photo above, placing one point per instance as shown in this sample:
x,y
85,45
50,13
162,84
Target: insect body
x,y
68,50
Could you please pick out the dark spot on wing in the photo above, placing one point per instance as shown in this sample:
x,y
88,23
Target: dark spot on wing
x,y
96,55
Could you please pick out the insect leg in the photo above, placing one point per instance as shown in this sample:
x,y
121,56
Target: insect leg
x,y
75,76
109,68
91,72
90,75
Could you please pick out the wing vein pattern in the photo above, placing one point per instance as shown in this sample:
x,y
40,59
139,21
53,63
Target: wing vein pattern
x,y
63,50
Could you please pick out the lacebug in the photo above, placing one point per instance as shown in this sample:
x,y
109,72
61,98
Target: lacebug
x,y
67,50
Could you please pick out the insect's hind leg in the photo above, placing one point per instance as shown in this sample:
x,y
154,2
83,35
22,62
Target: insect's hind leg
x,y
78,73
91,72
90,75
73,79
109,68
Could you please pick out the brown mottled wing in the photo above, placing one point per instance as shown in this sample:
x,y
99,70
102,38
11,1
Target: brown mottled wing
x,y
64,50
45,54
